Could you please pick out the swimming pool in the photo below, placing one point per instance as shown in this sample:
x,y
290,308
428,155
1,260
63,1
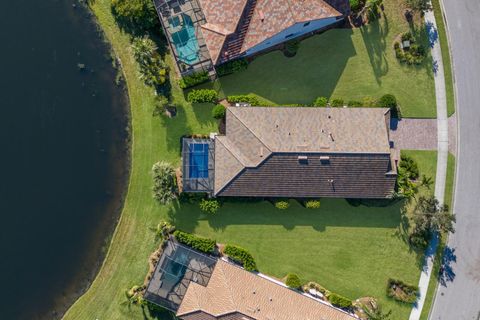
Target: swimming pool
x,y
198,161
185,40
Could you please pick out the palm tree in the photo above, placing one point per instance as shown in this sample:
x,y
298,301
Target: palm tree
x,y
426,181
374,312
144,49
371,6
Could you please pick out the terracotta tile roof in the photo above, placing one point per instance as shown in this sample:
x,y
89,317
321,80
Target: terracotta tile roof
x,y
272,16
223,13
234,290
214,41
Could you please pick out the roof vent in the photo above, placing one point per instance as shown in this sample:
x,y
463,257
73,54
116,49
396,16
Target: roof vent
x,y
331,136
262,15
261,152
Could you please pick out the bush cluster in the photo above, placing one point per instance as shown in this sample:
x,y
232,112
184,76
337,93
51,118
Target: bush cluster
x,y
293,281
219,111
400,291
140,14
202,95
247,98
339,301
312,204
242,256
282,204
153,70
198,243
320,102
356,5
193,79
415,54
232,67
291,48
389,101
164,182
210,206
336,103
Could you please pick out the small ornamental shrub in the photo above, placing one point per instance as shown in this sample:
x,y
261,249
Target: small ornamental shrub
x,y
356,5
337,103
312,204
218,112
293,281
164,182
400,291
198,243
241,256
209,205
389,101
232,67
193,79
247,98
369,102
202,95
410,166
282,204
320,102
407,36
354,103
339,301
291,48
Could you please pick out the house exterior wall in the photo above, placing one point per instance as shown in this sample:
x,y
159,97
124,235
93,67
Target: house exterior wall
x,y
342,176
293,32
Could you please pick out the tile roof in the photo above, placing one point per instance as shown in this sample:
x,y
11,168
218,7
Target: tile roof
x,y
272,16
234,290
225,13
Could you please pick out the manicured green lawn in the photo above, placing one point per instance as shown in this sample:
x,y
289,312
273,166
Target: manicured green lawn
x,y
342,63
351,250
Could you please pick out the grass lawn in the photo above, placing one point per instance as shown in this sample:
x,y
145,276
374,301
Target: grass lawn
x,y
350,250
447,66
342,63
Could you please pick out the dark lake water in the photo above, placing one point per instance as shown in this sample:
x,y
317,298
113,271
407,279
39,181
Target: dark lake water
x,y
64,157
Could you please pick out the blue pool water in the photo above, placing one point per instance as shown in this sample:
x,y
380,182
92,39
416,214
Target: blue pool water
x,y
199,161
184,40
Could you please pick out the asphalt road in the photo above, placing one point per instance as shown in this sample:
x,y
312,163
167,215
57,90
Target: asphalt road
x,y
459,297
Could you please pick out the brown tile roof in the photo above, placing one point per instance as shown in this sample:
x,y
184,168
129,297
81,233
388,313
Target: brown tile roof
x,y
214,41
223,13
232,290
258,156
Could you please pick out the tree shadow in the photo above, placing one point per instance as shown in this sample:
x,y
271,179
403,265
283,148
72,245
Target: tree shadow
x,y
314,71
375,39
446,273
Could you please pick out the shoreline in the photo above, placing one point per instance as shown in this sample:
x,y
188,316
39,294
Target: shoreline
x,y
117,187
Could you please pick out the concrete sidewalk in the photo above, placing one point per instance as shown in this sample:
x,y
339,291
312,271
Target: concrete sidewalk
x,y
442,154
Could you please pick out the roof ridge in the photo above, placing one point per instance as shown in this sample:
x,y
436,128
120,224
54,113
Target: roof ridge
x,y
230,147
227,284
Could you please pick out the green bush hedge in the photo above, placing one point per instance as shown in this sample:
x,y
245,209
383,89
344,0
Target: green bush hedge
x,y
293,281
355,104
248,98
282,204
232,67
312,204
242,256
320,102
218,112
202,95
209,205
400,291
193,79
389,101
336,103
339,301
198,243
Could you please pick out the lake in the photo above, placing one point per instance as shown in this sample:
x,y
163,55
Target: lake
x,y
64,155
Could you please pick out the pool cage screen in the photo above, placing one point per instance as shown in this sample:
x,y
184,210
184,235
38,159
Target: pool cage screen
x,y
198,165
182,20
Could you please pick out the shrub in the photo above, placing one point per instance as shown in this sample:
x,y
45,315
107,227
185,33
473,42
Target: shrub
x,y
410,166
202,95
291,48
193,79
337,103
198,243
209,205
137,13
356,5
312,204
282,204
248,98
164,182
407,36
354,104
241,256
370,102
293,281
320,102
218,112
389,101
339,301
153,70
232,67
400,291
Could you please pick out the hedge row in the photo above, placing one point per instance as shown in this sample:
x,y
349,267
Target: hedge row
x,y
242,256
198,243
232,67
247,98
400,291
194,79
339,301
202,95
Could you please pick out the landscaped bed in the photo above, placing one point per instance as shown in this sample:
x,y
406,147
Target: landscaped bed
x,y
343,63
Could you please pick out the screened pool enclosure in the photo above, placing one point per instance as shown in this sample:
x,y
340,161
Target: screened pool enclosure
x,y
198,165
